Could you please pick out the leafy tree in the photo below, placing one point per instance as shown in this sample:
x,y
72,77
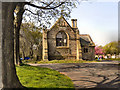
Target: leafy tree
x,y
111,48
30,40
99,50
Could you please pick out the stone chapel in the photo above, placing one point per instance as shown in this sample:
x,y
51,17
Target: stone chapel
x,y
63,41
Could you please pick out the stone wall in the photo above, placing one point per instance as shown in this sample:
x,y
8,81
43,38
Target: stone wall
x,y
90,55
61,52
73,50
45,46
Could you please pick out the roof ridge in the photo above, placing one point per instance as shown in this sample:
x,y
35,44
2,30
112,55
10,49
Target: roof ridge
x,y
90,39
58,21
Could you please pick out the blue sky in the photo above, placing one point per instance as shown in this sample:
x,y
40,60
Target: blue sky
x,y
98,19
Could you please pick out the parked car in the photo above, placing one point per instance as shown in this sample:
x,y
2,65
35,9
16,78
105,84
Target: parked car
x,y
26,58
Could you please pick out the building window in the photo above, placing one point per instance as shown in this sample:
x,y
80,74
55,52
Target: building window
x,y
61,39
85,50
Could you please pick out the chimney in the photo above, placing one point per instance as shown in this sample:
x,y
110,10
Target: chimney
x,y
74,23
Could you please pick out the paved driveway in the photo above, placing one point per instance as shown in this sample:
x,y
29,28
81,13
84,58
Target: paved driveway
x,y
89,75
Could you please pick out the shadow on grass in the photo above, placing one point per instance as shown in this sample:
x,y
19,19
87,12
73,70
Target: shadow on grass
x,y
30,88
50,89
22,64
60,89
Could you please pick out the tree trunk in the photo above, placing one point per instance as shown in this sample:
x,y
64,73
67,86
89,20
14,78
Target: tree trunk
x,y
9,77
31,50
18,21
23,55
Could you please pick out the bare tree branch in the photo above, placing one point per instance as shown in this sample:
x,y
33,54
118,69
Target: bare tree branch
x,y
49,4
31,12
28,3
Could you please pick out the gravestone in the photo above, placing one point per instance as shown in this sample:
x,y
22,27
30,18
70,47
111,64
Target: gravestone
x,y
0,45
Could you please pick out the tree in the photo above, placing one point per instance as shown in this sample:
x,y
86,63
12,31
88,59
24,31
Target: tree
x,y
99,50
111,48
17,23
30,40
9,77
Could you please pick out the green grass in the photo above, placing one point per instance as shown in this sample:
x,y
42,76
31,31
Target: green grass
x,y
114,59
59,61
37,77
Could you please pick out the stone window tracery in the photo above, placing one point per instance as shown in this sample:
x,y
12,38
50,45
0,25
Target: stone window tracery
x,y
61,39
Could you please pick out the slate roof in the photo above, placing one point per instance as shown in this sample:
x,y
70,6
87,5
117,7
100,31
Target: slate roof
x,y
86,40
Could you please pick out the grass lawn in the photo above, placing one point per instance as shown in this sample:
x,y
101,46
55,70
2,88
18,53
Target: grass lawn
x,y
37,77
114,59
59,61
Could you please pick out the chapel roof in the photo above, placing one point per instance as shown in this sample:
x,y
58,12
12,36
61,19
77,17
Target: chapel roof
x,y
61,17
86,40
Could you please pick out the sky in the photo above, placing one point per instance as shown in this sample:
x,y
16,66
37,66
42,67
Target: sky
x,y
98,19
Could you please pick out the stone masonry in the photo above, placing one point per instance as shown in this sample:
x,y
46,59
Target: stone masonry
x,y
62,42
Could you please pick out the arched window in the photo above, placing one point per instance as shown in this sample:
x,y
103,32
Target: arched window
x,y
61,39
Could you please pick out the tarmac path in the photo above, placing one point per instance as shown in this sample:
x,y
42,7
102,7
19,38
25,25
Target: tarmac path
x,y
103,74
